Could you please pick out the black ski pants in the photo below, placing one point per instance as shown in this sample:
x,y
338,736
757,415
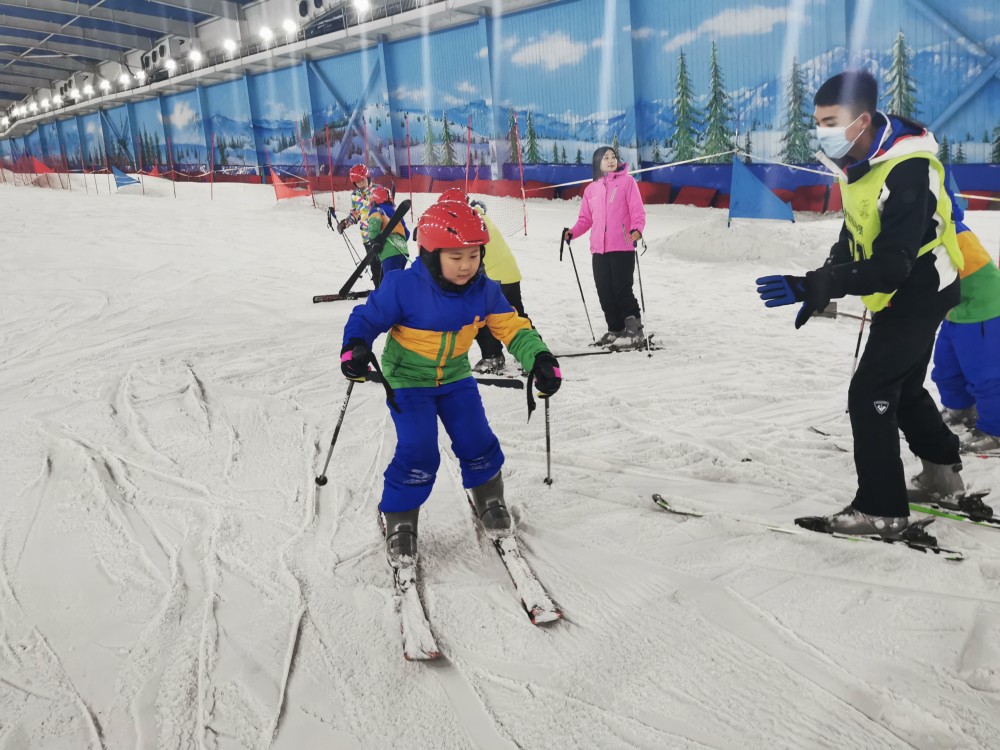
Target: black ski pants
x,y
887,395
613,273
488,343
374,264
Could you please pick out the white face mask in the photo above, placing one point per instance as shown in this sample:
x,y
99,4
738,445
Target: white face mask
x,y
834,141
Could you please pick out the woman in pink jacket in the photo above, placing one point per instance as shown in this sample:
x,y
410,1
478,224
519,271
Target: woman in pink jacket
x,y
613,212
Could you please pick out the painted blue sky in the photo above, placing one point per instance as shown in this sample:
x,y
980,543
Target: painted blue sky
x,y
183,124
148,118
572,58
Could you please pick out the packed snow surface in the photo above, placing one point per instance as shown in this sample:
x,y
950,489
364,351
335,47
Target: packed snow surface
x,y
172,577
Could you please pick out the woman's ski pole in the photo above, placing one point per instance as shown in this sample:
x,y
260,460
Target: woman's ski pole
x,y
642,297
564,242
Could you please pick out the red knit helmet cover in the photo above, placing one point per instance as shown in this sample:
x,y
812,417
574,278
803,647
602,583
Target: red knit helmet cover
x,y
359,172
380,194
451,225
453,194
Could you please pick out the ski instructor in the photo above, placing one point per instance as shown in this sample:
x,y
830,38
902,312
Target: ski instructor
x,y
898,251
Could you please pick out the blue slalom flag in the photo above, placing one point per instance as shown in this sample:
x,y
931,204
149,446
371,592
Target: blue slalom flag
x,y
749,198
122,179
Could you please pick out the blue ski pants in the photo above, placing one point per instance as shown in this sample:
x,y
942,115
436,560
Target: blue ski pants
x,y
410,475
393,263
967,369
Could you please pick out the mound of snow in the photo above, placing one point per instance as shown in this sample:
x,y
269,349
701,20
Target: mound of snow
x,y
804,243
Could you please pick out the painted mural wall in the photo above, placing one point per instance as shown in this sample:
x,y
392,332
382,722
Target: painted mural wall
x,y
663,81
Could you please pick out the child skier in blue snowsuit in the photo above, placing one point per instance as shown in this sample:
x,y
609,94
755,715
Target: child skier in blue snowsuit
x,y
393,253
432,312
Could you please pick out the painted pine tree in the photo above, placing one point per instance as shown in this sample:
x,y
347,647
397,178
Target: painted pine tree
x,y
614,144
944,151
657,156
579,155
995,151
430,153
532,154
562,157
795,143
512,133
959,157
747,149
687,118
718,136
900,88
555,153
448,157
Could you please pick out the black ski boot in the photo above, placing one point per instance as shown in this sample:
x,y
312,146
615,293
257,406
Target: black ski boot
x,y
490,508
400,535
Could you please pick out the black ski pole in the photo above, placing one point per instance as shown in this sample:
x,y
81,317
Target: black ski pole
x,y
333,222
321,479
564,241
548,446
642,297
857,350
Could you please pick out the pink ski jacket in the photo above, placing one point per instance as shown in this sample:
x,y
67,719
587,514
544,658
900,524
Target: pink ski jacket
x,y
612,207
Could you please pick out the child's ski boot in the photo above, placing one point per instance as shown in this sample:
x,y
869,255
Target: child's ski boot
x,y
400,535
490,508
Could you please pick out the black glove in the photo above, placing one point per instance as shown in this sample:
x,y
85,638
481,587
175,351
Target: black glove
x,y
548,378
567,235
812,290
329,217
343,224
354,358
816,296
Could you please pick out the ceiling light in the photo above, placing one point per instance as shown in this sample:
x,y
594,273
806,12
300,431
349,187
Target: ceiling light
x,y
266,34
289,26
140,75
75,93
88,90
362,5
194,56
45,103
105,85
229,45
5,121
170,65
33,107
125,79
57,100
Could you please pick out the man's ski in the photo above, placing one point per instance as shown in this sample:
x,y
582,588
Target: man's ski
x,y
535,602
921,502
827,434
920,539
614,349
418,640
916,536
340,297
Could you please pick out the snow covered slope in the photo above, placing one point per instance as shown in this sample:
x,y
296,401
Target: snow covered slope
x,y
171,577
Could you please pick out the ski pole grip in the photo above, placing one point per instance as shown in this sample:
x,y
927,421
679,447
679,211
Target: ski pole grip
x,y
562,242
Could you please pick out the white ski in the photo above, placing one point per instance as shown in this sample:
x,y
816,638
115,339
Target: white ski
x,y
536,602
418,640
